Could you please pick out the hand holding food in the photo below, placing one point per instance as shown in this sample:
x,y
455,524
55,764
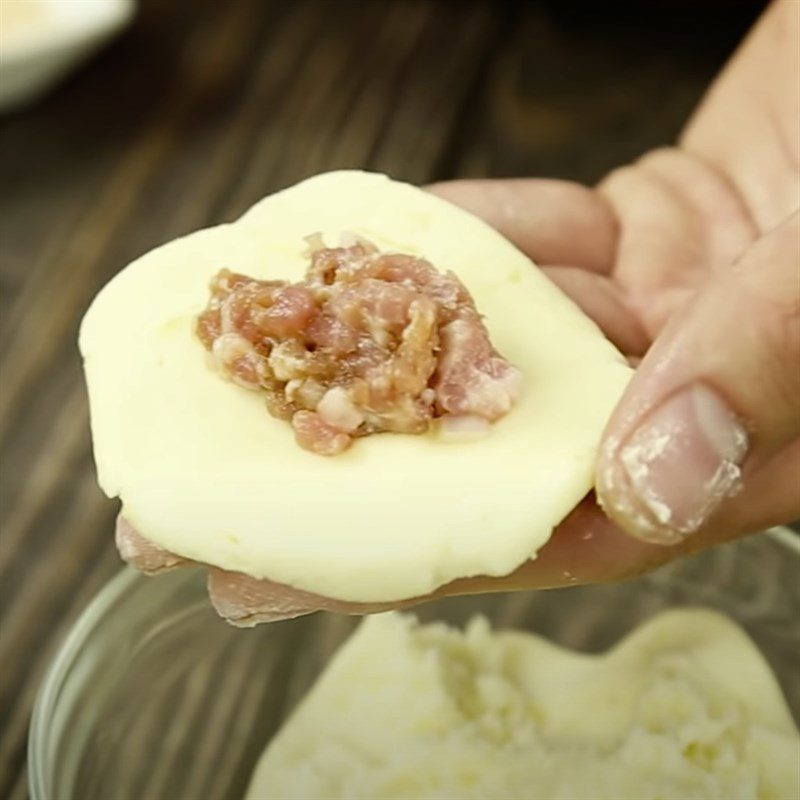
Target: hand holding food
x,y
376,419
689,260
453,400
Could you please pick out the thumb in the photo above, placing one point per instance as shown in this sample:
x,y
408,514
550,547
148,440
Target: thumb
x,y
704,443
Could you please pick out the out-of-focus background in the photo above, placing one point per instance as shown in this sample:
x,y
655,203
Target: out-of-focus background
x,y
200,107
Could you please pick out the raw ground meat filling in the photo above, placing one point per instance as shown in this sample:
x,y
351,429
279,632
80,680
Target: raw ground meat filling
x,y
368,342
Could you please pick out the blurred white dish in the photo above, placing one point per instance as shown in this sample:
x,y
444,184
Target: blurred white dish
x,y
42,40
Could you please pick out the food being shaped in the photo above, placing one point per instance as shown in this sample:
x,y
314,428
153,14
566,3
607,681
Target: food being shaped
x,y
684,707
205,474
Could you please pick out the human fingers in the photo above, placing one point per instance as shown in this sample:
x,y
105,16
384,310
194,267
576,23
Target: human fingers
x,y
586,548
553,222
559,223
748,124
679,222
704,444
605,303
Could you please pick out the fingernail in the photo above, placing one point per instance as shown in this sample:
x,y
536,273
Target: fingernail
x,y
679,464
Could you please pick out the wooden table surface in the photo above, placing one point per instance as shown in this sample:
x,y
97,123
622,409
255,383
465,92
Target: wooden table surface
x,y
203,107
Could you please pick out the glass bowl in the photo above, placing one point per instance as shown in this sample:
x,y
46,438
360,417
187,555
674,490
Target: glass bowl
x,y
152,695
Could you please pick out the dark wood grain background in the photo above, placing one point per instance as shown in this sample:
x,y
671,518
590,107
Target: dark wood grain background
x,y
204,106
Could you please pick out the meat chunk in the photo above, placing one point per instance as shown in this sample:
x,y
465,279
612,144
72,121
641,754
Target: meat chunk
x,y
313,433
471,378
368,342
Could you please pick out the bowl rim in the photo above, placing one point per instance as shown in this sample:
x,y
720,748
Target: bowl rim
x,y
50,688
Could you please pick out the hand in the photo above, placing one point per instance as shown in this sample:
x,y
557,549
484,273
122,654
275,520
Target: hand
x,y
688,259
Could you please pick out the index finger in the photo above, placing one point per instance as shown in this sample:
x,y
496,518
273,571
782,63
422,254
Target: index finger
x,y
551,221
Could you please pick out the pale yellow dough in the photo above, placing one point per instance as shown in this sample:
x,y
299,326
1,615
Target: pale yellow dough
x,y
685,708
203,470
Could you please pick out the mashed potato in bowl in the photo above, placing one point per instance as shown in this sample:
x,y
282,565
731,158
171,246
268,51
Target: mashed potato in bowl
x,y
684,707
